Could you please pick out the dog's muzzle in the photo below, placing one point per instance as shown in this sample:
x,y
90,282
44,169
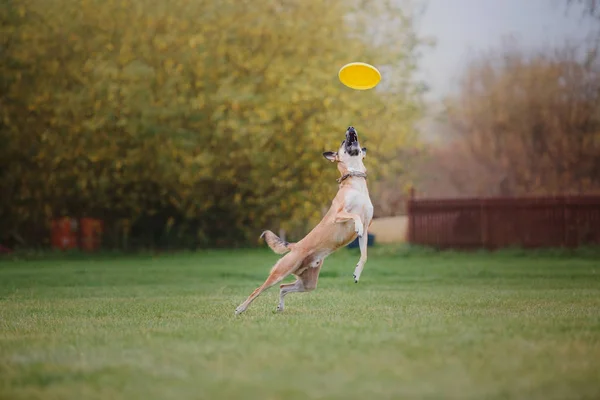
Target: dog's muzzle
x,y
352,146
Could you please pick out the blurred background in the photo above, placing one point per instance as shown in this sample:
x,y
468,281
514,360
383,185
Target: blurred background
x,y
137,124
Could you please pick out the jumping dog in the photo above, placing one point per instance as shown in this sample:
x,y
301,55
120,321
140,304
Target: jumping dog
x,y
348,217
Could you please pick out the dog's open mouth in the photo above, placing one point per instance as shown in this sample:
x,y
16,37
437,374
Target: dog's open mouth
x,y
352,146
352,137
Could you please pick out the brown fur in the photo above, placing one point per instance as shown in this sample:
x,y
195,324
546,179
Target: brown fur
x,y
349,216
276,244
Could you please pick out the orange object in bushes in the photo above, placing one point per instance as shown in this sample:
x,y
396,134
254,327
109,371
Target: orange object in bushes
x,y
91,233
63,234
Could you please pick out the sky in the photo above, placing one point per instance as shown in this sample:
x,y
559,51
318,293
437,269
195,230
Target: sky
x,y
463,26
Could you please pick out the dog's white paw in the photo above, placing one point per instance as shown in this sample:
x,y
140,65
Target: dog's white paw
x,y
239,310
279,308
357,272
358,228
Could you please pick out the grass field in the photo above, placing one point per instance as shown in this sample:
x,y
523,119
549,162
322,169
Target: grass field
x,y
417,326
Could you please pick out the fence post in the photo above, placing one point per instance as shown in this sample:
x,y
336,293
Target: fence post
x,y
565,224
411,216
484,233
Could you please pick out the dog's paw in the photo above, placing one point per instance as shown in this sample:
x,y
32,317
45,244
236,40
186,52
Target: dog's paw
x,y
279,308
358,228
356,278
240,310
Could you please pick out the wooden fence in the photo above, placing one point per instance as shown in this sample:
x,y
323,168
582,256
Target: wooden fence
x,y
492,223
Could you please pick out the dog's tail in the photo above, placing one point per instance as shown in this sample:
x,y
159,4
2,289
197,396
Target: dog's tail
x,y
276,244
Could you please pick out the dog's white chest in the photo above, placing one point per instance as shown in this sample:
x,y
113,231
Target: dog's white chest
x,y
356,202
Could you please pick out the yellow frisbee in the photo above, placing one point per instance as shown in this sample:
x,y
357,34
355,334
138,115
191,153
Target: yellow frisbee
x,y
359,76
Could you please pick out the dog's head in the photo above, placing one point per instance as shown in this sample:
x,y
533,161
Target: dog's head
x,y
349,155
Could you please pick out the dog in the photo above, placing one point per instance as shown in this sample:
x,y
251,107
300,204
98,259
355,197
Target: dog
x,y
349,216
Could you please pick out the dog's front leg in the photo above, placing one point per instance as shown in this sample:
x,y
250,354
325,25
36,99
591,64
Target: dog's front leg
x,y
362,243
343,216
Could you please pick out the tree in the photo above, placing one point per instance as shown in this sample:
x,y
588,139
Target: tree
x,y
527,123
209,115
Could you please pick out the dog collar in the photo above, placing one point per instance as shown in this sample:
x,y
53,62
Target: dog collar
x,y
353,173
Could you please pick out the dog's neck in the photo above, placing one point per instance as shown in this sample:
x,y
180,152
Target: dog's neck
x,y
357,174
352,172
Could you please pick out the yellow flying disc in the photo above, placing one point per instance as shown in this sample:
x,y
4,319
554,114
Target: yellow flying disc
x,y
359,76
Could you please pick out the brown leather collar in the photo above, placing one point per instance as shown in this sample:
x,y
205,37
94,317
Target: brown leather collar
x,y
353,173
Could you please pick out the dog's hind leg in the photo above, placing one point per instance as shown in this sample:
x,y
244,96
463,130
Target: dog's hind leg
x,y
283,268
306,282
288,288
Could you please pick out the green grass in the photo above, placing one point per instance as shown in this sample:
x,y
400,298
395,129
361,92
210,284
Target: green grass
x,y
417,326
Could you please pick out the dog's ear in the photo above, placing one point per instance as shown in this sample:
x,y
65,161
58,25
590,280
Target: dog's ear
x,y
330,155
364,151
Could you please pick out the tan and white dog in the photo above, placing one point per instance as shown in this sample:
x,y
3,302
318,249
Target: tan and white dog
x,y
349,216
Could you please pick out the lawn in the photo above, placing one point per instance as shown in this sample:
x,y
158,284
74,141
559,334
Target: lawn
x,y
418,326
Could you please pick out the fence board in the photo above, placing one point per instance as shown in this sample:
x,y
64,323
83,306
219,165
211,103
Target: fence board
x,y
492,223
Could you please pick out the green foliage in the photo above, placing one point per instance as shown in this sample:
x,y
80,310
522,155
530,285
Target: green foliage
x,y
210,114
